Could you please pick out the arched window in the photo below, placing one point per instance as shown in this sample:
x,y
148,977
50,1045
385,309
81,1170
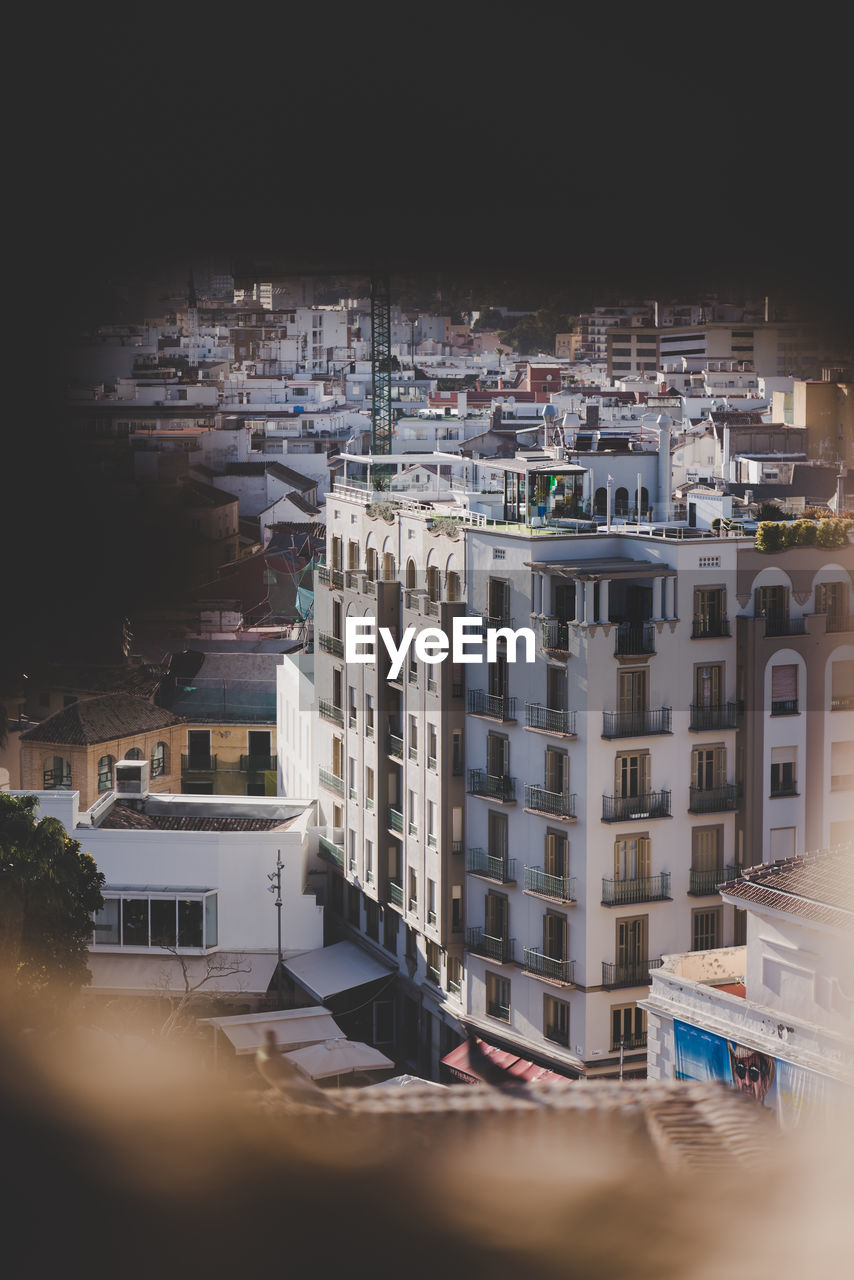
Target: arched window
x,y
57,773
133,754
410,574
600,501
453,585
433,583
105,773
621,502
159,760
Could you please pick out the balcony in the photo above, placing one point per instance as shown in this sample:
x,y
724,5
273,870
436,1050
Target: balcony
x,y
709,628
722,716
631,973
331,644
492,787
493,705
501,950
329,711
481,863
619,893
394,745
785,627
256,763
630,1042
546,967
702,884
394,819
334,852
555,636
330,577
653,804
198,763
557,888
784,707
332,781
394,894
635,724
557,804
840,622
561,723
713,799
634,639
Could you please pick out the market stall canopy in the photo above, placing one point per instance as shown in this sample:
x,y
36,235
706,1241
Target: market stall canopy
x,y
293,1028
330,970
339,1058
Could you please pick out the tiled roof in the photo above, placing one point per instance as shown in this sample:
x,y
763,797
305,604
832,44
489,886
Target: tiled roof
x,y
290,477
123,818
103,719
302,504
140,679
815,886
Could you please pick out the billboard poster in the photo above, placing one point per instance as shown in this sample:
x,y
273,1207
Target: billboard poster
x,y
792,1092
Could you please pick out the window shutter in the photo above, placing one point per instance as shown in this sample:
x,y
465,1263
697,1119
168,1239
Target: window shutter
x,y
644,857
645,771
720,766
784,683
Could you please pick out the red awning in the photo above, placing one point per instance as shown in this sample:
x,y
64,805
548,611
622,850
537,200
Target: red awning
x,y
457,1061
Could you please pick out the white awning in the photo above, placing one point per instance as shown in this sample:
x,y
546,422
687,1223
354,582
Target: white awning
x,y
331,970
294,1028
135,973
339,1058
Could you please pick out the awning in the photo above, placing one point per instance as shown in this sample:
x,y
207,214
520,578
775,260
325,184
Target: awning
x,y
339,1058
293,1028
155,973
330,970
457,1061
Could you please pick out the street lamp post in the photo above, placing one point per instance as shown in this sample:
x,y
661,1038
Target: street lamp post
x,y
275,877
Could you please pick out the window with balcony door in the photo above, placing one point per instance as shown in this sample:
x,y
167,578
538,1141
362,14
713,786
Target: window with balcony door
x,y
706,929
708,683
632,774
336,620
496,915
771,602
784,769
709,611
556,1020
832,598
631,941
452,585
497,755
556,771
628,1027
707,845
497,835
498,676
556,854
498,600
784,689
632,693
708,768
433,583
556,697
498,997
555,936
632,857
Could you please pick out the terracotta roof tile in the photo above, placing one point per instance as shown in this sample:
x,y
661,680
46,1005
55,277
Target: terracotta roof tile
x,y
102,719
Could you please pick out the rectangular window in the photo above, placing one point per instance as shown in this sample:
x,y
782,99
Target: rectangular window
x,y
632,940
454,976
739,928
771,602
413,890
707,848
369,787
160,920
434,962
496,916
352,848
555,936
708,682
498,997
842,766
556,1020
706,929
842,685
784,690
708,768
632,857
633,774
497,756
369,715
456,908
783,771
556,854
557,771
497,835
832,598
628,1027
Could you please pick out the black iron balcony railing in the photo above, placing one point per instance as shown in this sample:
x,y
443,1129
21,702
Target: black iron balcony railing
x,y
394,745
493,787
722,716
840,622
629,1042
555,636
558,888
198,763
652,804
784,706
482,863
713,799
493,621
704,883
559,804
394,893
257,763
617,893
785,626
540,717
495,706
331,644
635,724
703,628
634,638
394,819
547,967
332,781
630,973
501,950
335,852
329,711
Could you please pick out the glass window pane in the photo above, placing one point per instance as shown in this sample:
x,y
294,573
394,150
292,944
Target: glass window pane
x,y
162,922
211,935
135,922
189,923
106,924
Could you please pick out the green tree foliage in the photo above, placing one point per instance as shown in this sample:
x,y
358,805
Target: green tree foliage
x,y
773,536
534,333
48,892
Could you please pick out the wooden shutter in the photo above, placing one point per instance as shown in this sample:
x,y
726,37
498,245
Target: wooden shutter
x,y
784,683
554,936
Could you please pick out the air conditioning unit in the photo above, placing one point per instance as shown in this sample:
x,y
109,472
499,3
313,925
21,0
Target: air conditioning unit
x,y
130,779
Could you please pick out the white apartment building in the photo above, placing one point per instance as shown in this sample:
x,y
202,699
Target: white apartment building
x,y
190,873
